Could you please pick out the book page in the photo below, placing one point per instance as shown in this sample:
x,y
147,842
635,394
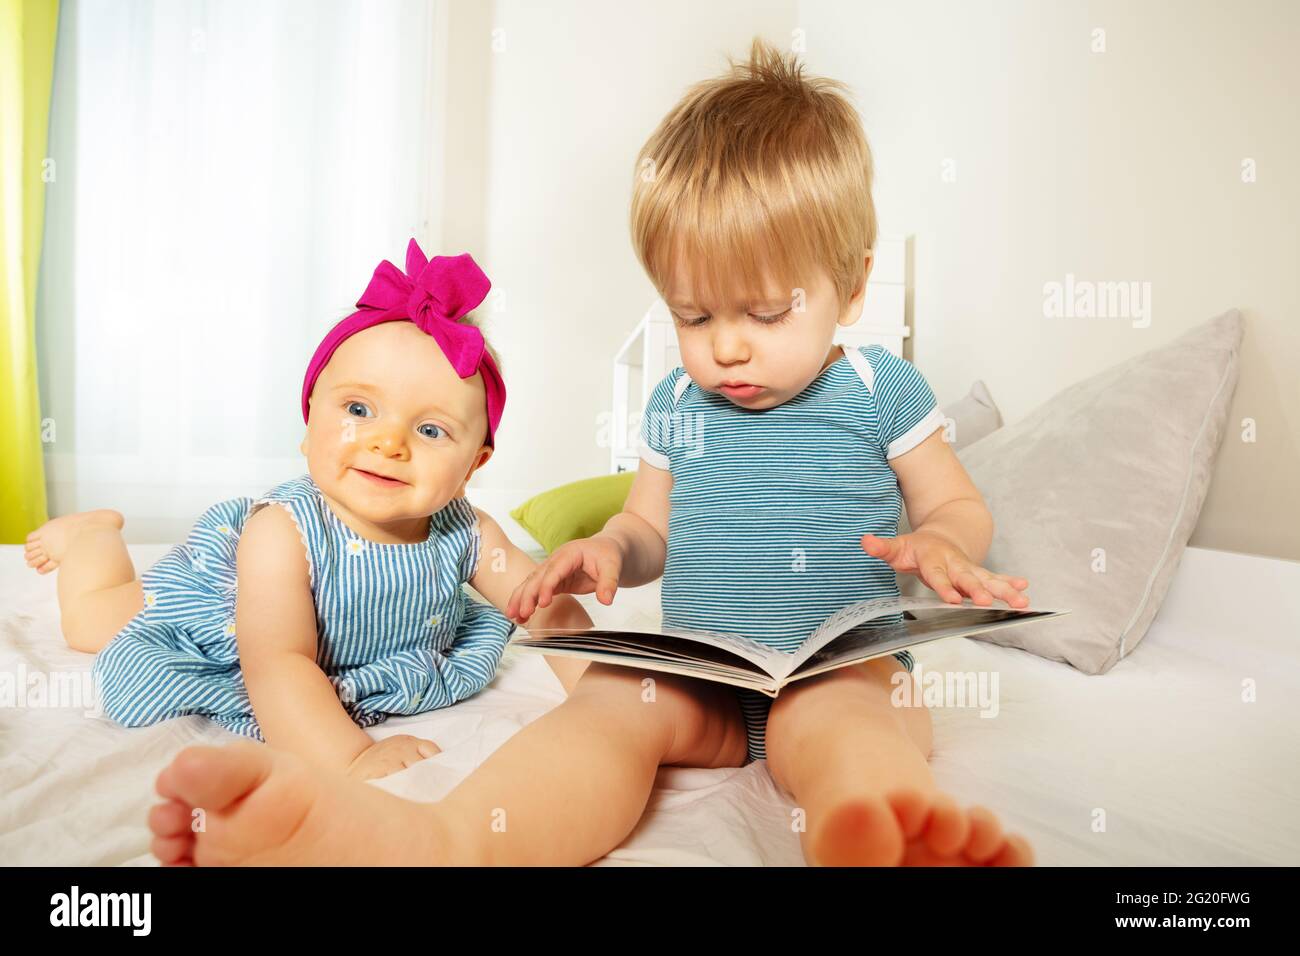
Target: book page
x,y
680,642
747,659
865,611
864,643
753,679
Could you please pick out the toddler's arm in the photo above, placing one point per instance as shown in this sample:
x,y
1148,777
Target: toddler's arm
x,y
275,627
940,497
951,529
641,528
501,568
631,549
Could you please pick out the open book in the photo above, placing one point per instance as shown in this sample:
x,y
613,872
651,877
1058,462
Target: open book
x,y
846,637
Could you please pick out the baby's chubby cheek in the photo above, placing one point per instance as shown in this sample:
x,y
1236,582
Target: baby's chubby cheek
x,y
327,450
331,450
438,484
330,456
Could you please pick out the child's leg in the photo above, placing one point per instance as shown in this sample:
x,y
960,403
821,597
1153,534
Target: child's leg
x,y
568,670
98,589
856,765
574,789
566,789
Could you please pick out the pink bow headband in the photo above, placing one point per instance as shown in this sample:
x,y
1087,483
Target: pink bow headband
x,y
435,294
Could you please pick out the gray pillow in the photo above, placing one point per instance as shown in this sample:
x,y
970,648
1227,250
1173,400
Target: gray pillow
x,y
973,417
1095,493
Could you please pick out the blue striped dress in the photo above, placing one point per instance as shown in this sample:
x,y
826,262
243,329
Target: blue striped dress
x,y
396,632
768,507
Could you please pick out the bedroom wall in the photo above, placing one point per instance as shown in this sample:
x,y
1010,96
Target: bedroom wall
x,y
1123,165
1012,151
572,91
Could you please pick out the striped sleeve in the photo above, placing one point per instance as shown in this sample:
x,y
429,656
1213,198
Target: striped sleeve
x,y
906,410
470,663
654,436
421,679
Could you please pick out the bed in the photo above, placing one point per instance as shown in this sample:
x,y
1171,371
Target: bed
x,y
1158,762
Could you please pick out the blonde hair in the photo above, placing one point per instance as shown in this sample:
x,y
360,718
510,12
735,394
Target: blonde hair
x,y
758,170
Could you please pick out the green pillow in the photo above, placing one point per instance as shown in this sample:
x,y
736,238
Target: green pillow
x,y
576,510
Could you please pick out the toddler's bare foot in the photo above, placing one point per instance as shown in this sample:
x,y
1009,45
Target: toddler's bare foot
x,y
48,543
248,804
914,828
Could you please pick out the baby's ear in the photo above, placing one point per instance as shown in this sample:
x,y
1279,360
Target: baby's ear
x,y
303,447
852,310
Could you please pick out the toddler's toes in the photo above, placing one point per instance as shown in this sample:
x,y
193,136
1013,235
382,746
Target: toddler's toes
x,y
38,558
214,777
173,851
858,833
948,828
173,838
1015,852
912,809
986,838
939,832
170,819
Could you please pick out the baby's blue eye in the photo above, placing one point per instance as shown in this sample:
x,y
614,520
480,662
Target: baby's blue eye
x,y
352,405
436,429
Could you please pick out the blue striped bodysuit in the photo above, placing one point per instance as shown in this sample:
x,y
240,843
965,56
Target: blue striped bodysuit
x,y
768,507
396,632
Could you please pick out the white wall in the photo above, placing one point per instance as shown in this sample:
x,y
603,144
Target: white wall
x,y
1122,165
576,90
223,178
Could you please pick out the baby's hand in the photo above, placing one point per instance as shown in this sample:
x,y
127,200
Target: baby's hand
x,y
390,755
945,568
577,567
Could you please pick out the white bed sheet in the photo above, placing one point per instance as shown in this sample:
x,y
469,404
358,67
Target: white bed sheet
x,y
1184,770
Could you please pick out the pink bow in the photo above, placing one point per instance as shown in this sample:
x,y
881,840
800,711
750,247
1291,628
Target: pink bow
x,y
435,294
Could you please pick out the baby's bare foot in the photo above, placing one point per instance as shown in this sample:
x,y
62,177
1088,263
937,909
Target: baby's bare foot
x,y
247,804
48,543
914,828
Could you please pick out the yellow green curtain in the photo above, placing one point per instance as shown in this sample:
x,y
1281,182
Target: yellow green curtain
x,y
27,31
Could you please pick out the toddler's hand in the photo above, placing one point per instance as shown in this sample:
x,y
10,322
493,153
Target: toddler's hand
x,y
577,567
390,755
945,568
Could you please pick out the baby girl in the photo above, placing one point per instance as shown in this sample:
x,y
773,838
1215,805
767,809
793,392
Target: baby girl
x,y
303,623
774,469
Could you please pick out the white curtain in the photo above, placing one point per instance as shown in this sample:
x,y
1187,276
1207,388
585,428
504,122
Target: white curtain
x,y
225,176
